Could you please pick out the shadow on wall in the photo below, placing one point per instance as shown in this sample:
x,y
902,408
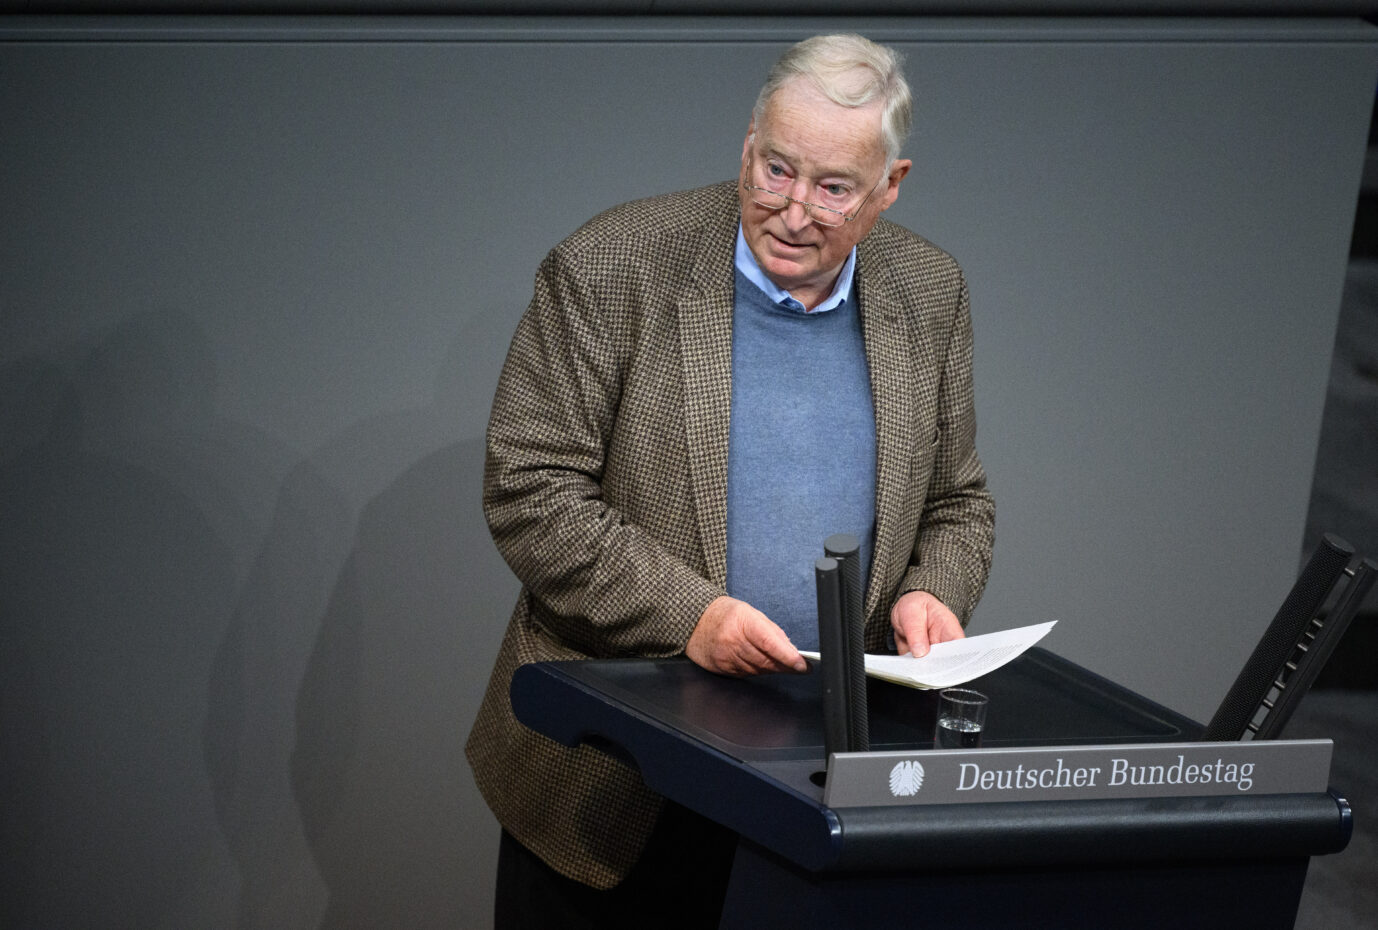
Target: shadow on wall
x,y
378,652
378,770
118,578
348,678
227,699
252,687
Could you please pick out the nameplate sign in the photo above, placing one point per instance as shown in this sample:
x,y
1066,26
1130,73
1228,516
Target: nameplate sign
x,y
1077,773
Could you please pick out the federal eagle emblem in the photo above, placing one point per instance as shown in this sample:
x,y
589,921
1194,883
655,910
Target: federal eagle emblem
x,y
906,778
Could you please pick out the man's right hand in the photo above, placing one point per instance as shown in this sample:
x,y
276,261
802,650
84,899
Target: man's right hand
x,y
734,638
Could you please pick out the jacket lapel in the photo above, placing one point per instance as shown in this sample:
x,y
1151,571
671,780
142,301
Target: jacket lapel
x,y
705,331
890,351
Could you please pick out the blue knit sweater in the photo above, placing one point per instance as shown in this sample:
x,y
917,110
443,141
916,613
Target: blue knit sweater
x,y
801,456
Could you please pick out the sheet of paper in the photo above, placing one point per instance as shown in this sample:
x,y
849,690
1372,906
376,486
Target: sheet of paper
x,y
956,662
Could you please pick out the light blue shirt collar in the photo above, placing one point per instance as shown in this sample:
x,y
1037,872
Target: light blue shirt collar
x,y
746,264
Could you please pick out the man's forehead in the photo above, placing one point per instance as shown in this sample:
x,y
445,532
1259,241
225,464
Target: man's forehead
x,y
799,121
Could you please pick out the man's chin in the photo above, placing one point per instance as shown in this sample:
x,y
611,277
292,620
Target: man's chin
x,y
781,270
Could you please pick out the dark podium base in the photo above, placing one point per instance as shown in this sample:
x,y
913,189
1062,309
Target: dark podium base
x,y
769,893
746,753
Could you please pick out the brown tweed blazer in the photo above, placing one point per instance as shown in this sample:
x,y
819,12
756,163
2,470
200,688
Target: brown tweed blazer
x,y
606,481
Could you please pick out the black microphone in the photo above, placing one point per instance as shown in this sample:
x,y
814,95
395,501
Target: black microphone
x,y
832,646
850,652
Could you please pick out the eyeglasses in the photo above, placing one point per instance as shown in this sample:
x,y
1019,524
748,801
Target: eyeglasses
x,y
833,216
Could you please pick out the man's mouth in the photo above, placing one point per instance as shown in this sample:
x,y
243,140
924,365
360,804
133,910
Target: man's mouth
x,y
788,245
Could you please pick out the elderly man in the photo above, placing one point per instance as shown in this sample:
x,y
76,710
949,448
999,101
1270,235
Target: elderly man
x,y
704,386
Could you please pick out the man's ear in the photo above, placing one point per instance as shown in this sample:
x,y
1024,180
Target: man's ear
x,y
898,169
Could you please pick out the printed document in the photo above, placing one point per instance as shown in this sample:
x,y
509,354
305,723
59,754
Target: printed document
x,y
955,662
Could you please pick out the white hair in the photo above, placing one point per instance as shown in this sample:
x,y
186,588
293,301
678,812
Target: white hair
x,y
851,71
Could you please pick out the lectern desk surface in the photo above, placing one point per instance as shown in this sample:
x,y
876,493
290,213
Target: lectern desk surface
x,y
749,753
1039,699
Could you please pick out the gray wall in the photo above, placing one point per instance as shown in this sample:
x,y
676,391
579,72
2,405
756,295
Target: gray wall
x,y
256,282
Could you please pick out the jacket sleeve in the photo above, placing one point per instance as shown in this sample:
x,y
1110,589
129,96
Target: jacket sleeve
x,y
952,551
601,581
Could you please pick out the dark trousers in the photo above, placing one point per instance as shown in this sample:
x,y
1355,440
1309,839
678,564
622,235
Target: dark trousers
x,y
679,882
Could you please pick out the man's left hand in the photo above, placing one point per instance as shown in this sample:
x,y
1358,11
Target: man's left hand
x,y
920,620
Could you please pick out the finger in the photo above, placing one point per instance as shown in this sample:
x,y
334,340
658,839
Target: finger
x,y
916,633
773,647
897,629
901,641
732,653
754,660
737,660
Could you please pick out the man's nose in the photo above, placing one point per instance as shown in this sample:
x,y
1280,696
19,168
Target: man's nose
x,y
796,216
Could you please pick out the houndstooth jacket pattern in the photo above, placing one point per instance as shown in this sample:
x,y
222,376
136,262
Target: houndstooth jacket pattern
x,y
605,484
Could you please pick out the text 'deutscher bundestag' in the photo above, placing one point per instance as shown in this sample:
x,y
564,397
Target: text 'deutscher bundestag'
x,y
1078,773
